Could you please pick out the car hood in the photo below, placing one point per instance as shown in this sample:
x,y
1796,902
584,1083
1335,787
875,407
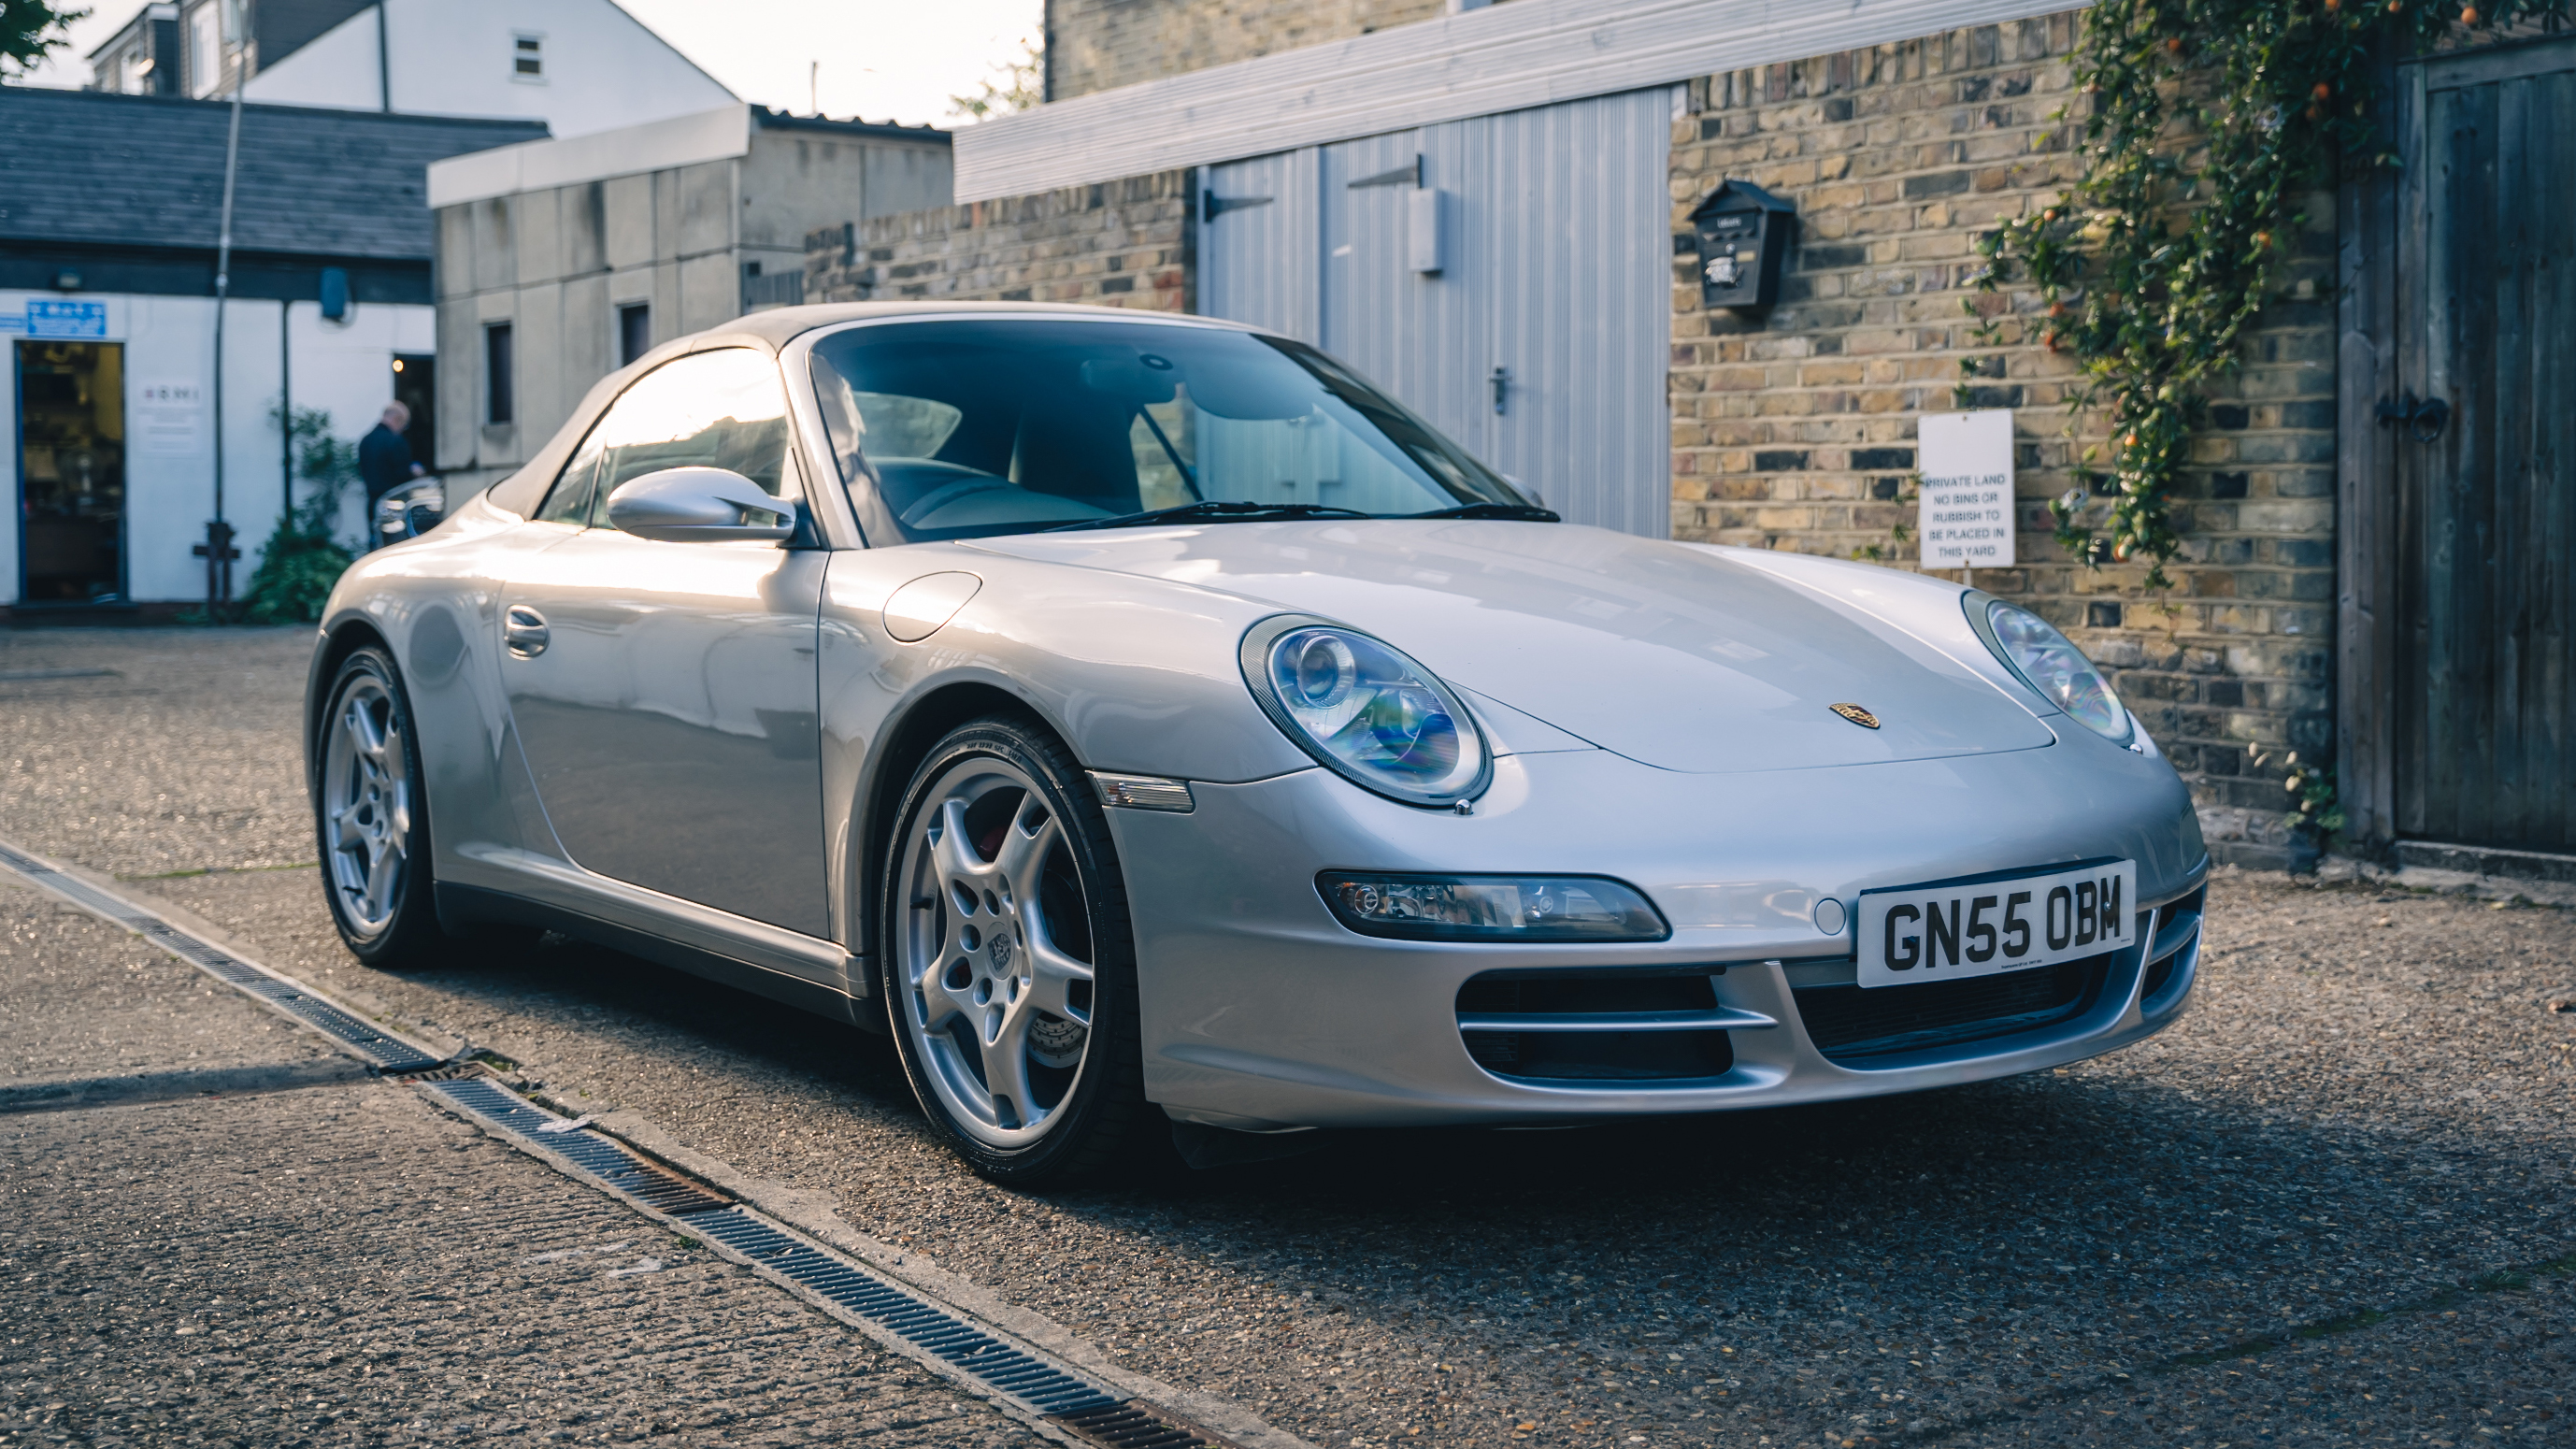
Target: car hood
x,y
1673,655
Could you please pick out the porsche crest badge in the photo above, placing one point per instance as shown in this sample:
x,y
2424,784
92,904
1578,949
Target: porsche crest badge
x,y
1857,715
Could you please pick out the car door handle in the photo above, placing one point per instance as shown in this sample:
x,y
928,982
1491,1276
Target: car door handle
x,y
524,630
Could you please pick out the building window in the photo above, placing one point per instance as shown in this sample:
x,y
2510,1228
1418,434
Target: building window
x,y
205,49
498,382
634,331
528,58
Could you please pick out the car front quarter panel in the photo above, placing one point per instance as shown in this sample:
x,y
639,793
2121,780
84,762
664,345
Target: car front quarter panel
x,y
1138,676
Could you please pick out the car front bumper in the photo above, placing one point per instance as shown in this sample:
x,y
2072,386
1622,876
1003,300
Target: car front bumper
x,y
1262,1012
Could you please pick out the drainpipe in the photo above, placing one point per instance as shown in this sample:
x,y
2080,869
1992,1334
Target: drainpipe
x,y
286,413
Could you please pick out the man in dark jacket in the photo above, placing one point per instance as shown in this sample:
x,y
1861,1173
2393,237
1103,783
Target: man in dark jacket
x,y
384,459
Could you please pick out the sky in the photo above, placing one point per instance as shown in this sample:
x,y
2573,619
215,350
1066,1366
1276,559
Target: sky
x,y
882,60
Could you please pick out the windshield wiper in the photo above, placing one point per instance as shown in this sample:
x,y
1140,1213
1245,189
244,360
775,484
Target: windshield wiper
x,y
1214,511
1524,512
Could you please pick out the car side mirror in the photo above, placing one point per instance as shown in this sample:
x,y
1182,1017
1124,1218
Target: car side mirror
x,y
699,505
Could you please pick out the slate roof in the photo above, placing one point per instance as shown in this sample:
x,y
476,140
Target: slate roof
x,y
90,167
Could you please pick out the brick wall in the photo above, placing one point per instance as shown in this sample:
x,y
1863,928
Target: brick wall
x,y
1097,45
1122,244
1797,430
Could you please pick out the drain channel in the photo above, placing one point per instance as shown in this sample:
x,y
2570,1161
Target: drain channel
x,y
379,1049
1073,1401
1075,1404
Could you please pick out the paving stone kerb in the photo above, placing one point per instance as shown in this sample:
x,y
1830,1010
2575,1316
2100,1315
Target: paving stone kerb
x,y
1796,430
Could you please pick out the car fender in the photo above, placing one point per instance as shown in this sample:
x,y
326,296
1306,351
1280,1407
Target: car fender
x,y
1137,676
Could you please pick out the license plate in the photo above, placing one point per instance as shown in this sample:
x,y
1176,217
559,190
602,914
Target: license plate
x,y
1944,932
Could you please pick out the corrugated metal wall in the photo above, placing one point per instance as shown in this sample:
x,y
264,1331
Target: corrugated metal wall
x,y
1266,225
1556,268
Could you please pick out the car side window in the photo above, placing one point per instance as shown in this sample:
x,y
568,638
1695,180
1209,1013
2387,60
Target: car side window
x,y
720,409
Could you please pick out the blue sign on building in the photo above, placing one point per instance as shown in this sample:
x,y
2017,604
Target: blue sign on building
x,y
49,318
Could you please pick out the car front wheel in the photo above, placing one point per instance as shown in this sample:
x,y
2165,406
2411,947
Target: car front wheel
x,y
1007,962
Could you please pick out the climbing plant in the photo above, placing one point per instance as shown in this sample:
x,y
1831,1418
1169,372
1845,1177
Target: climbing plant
x,y
2203,122
302,560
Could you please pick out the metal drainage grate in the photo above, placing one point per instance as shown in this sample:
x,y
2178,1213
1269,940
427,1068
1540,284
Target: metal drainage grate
x,y
1133,1426
384,1052
1040,1385
1083,1406
650,1183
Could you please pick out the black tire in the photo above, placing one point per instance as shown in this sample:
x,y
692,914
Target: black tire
x,y
1101,1120
360,804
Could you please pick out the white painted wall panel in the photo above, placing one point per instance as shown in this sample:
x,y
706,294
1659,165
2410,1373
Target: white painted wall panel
x,y
345,369
1428,339
9,505
1257,263
602,68
1498,58
1583,305
1557,271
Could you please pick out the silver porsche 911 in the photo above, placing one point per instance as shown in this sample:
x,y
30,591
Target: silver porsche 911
x,y
1147,722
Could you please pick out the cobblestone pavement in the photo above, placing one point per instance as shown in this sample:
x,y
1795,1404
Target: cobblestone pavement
x,y
2335,1205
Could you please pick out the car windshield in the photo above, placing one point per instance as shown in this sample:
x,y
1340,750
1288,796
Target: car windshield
x,y
1012,425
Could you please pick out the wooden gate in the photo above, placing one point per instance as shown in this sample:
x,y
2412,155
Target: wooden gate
x,y
2459,421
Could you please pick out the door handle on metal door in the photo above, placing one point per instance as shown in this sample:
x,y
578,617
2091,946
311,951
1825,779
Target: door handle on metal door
x,y
524,630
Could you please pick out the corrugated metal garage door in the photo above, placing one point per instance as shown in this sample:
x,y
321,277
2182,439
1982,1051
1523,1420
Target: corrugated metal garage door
x,y
1555,268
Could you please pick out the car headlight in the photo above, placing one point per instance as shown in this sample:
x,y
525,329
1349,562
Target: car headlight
x,y
2049,662
1366,712
1490,907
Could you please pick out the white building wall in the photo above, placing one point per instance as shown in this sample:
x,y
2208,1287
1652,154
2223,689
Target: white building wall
x,y
602,68
344,368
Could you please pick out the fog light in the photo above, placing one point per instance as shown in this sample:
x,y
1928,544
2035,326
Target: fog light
x,y
1490,907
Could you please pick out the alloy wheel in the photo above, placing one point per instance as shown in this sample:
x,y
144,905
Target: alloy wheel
x,y
367,807
995,953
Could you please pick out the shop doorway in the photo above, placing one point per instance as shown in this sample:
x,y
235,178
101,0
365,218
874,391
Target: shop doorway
x,y
416,388
71,472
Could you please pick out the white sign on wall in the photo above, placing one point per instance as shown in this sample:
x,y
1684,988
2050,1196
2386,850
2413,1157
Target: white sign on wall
x,y
169,417
1967,498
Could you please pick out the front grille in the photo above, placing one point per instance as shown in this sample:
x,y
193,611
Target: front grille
x,y
1561,1055
1602,990
1849,1023
1602,1056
